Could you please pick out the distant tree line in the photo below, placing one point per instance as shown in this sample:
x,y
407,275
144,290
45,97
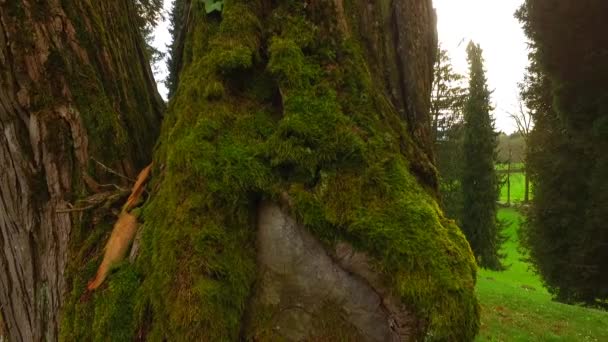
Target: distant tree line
x,y
511,148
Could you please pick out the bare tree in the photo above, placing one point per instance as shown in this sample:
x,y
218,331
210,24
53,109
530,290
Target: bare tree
x,y
524,123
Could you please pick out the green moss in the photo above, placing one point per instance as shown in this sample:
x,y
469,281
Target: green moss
x,y
236,45
214,90
105,315
114,307
103,125
331,141
108,313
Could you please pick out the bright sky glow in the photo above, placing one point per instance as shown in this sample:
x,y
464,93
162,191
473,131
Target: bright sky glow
x,y
162,38
489,23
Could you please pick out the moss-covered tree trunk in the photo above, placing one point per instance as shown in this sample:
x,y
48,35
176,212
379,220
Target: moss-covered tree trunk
x,y
74,86
293,195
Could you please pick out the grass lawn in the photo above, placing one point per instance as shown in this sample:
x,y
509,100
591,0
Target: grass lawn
x,y
517,188
515,306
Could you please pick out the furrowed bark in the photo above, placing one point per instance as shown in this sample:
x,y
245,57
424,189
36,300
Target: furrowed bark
x,y
74,85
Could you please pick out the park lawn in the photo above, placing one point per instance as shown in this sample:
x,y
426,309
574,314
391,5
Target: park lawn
x,y
516,307
517,188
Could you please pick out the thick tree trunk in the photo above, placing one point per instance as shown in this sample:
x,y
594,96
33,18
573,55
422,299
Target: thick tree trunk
x,y
74,85
293,193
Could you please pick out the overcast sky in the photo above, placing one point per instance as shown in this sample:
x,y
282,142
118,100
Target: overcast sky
x,y
487,22
491,24
162,38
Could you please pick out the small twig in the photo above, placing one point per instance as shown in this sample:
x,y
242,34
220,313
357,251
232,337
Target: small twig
x,y
113,186
76,209
108,169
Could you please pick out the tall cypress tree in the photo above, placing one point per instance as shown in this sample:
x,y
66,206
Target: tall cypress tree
x,y
479,179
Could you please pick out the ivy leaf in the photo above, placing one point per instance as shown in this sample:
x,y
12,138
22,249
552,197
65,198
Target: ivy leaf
x,y
213,5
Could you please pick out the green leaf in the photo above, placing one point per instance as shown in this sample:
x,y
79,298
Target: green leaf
x,y
213,5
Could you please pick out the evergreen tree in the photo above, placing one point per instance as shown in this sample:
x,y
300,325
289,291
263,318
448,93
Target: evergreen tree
x,y
567,90
447,100
479,180
447,97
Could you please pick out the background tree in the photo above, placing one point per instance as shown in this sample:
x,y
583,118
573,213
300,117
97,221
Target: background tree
x,y
514,143
524,124
447,100
447,96
566,90
480,184
511,158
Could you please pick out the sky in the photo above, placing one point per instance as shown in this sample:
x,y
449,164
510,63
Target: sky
x,y
490,23
162,38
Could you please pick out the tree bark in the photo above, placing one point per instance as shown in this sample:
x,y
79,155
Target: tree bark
x,y
74,85
2,329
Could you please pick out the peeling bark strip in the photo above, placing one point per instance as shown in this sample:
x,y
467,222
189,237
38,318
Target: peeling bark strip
x,y
63,97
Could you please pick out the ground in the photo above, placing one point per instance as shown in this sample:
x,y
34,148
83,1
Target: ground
x,y
517,183
516,307
517,188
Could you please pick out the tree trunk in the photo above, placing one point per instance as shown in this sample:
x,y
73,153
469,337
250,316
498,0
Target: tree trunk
x,y
293,193
526,185
509,179
74,85
509,185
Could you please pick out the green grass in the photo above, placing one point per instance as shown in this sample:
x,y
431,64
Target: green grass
x,y
516,307
517,188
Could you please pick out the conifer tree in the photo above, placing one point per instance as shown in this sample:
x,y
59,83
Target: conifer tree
x,y
566,88
447,101
479,179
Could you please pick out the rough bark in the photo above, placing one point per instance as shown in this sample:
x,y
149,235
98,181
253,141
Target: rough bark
x,y
74,85
402,48
2,328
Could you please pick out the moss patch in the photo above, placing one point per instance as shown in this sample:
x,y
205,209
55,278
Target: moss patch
x,y
108,313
